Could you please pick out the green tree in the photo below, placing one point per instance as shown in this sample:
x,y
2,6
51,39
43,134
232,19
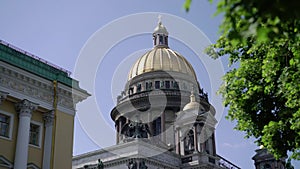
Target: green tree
x,y
288,165
263,92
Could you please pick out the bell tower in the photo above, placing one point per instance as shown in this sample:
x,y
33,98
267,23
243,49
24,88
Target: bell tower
x,y
195,126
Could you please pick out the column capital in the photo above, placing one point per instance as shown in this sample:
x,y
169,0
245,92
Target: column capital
x,y
49,118
3,96
25,107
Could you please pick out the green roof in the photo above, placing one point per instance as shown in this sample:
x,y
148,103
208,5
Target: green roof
x,y
26,61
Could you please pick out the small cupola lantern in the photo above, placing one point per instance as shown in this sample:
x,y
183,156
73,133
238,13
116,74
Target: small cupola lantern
x,y
160,35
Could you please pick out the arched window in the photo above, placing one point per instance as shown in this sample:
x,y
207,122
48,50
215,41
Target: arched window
x,y
189,144
130,91
161,40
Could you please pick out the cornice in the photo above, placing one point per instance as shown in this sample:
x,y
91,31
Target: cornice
x,y
21,84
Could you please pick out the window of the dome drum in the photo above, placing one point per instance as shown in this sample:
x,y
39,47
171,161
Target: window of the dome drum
x,y
130,91
148,85
139,87
157,84
167,84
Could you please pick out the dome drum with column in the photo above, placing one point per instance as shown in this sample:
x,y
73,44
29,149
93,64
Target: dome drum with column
x,y
156,81
144,100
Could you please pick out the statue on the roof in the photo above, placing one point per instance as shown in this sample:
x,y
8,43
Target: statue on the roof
x,y
100,164
142,165
132,164
136,130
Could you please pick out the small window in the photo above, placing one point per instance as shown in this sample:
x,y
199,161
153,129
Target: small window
x,y
6,123
167,84
148,85
130,91
160,40
157,84
35,134
139,87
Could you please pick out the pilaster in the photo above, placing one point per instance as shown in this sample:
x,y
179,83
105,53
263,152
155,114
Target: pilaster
x,y
49,120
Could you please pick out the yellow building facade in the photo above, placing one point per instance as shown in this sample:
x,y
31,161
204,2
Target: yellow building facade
x,y
37,108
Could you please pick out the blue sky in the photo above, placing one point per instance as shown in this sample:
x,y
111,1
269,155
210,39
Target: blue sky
x,y
58,30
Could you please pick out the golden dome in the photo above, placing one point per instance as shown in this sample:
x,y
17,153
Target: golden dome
x,y
161,59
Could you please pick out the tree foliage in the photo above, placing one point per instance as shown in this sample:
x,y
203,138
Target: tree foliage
x,y
263,92
289,165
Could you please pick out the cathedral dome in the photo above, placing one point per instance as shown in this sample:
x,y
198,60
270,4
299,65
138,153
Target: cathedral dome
x,y
161,59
